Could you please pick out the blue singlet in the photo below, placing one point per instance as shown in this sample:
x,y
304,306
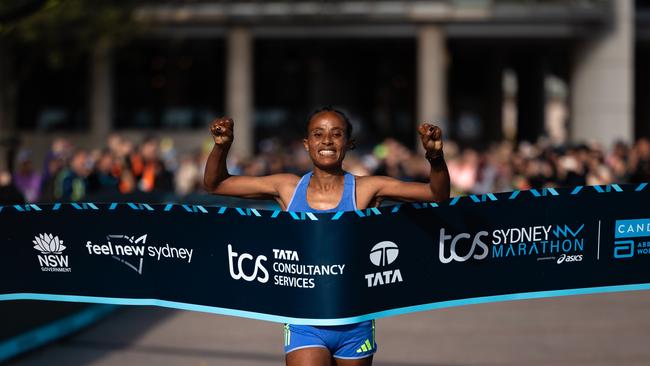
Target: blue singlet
x,y
346,341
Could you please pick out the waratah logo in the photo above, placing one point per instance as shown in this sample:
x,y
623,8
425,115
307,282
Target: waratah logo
x,y
48,244
51,259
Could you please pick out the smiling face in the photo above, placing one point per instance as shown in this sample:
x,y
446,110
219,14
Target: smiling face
x,y
327,140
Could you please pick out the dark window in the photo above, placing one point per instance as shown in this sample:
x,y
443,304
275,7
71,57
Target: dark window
x,y
169,83
372,80
642,89
52,88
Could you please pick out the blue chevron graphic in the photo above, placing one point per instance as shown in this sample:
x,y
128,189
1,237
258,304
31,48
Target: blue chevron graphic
x,y
484,197
27,208
608,188
566,230
303,215
78,206
248,212
544,192
422,205
368,212
84,206
576,190
135,206
188,208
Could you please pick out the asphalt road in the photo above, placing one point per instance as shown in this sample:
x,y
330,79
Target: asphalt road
x,y
610,329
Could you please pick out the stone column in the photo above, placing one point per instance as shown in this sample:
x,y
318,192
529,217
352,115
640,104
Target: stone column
x,y
531,97
239,89
493,96
431,77
9,139
101,92
603,81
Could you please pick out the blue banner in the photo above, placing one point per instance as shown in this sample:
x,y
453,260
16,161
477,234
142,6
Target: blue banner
x,y
335,268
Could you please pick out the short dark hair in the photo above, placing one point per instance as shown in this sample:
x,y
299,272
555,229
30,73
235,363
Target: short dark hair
x,y
329,108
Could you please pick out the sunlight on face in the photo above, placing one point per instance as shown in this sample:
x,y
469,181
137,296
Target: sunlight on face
x,y
327,140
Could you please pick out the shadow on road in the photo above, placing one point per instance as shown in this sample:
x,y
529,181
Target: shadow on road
x,y
128,329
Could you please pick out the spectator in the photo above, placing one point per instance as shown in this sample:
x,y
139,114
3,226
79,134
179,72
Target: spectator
x,y
148,169
9,194
640,162
50,188
26,179
73,180
122,169
103,180
188,176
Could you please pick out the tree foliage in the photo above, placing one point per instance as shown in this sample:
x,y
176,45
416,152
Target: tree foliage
x,y
66,28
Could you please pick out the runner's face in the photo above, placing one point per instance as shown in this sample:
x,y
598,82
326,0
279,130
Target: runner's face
x,y
326,140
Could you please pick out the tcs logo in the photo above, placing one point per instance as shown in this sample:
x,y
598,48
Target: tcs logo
x,y
476,245
237,272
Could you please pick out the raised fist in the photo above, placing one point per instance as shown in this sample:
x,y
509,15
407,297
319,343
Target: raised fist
x,y
222,130
431,137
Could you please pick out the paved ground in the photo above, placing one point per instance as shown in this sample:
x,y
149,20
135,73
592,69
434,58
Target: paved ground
x,y
611,329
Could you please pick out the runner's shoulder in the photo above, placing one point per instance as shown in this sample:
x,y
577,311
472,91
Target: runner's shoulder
x,y
284,180
372,183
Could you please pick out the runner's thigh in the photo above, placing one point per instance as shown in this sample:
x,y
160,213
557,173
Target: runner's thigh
x,y
315,356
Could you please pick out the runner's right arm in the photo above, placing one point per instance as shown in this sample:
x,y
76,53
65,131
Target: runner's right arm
x,y
217,180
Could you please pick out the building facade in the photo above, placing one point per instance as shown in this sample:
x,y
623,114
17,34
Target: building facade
x,y
463,64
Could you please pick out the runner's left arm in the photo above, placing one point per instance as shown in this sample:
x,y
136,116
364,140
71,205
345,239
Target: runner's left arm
x,y
436,190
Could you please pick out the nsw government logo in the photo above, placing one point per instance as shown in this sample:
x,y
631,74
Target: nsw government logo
x,y
51,258
381,255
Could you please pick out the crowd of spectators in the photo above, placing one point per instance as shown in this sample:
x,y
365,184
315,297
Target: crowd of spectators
x,y
125,168
69,174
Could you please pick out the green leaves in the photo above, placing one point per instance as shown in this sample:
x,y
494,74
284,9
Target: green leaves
x,y
67,23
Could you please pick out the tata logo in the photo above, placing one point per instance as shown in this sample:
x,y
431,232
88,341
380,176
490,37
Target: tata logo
x,y
381,255
237,272
477,248
384,253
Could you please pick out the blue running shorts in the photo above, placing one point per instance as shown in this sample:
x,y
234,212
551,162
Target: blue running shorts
x,y
343,341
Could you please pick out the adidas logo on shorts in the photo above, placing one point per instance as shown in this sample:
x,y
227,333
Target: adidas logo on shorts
x,y
365,347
